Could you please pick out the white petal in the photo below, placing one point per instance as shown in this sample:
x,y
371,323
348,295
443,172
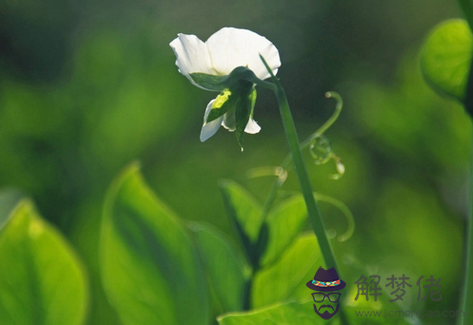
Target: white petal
x,y
209,129
232,47
229,121
191,55
252,127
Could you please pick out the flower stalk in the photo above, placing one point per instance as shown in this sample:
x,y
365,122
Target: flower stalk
x,y
301,171
468,293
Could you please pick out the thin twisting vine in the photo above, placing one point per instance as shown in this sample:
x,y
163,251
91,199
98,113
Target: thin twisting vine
x,y
317,143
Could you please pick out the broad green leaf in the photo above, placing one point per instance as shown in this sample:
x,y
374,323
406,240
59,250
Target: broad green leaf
x,y
245,214
446,57
284,223
285,280
150,268
303,314
223,265
41,279
285,314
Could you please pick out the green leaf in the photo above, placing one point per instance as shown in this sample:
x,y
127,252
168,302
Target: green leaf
x,y
284,223
41,279
245,214
303,314
446,57
150,269
285,280
285,314
223,265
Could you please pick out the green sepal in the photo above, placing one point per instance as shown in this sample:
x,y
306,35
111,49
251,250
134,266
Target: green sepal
x,y
225,101
243,112
237,94
220,83
235,99
209,81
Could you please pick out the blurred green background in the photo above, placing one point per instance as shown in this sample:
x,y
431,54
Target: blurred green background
x,y
88,86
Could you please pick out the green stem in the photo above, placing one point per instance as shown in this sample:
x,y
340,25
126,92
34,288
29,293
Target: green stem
x,y
301,171
306,187
247,293
468,293
303,176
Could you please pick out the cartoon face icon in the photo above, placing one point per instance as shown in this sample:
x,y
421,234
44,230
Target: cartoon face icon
x,y
326,283
325,309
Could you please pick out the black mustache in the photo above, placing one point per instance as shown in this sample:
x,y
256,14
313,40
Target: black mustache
x,y
328,306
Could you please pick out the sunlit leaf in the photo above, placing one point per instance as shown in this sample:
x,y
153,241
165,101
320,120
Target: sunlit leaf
x,y
223,265
285,314
303,314
41,280
446,57
285,280
284,223
150,269
245,214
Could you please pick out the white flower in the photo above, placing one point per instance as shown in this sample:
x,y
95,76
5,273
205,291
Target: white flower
x,y
224,51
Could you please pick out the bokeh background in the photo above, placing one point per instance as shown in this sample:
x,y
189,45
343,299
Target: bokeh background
x,y
88,86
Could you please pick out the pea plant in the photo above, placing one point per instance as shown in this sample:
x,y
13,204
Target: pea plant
x,y
158,268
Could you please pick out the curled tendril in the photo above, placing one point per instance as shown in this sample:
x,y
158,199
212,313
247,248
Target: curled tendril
x,y
336,113
279,172
319,145
344,210
320,149
340,167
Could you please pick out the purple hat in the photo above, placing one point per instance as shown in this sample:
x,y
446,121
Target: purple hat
x,y
326,280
